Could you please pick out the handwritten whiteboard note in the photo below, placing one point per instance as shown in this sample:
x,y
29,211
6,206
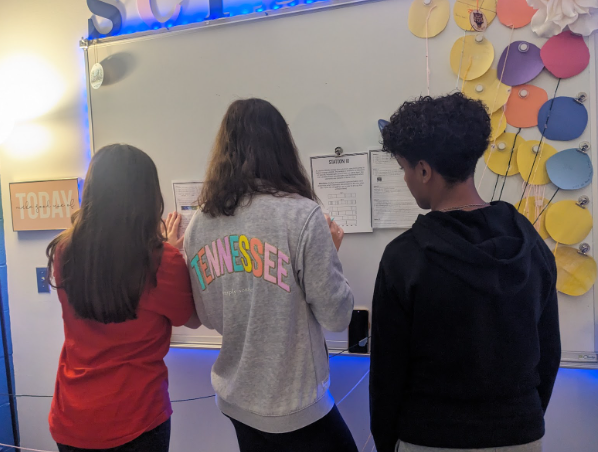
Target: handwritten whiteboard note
x,y
343,185
393,206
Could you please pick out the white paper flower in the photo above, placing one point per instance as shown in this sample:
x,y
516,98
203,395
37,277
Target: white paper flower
x,y
553,16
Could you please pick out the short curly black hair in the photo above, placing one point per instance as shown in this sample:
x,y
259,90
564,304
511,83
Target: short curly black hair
x,y
450,132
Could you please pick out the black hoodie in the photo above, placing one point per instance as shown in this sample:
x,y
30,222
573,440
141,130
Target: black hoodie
x,y
465,333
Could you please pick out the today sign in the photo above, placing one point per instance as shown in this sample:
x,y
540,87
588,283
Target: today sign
x,y
44,205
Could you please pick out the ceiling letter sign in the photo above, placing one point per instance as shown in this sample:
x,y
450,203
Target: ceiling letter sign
x,y
106,10
44,205
149,17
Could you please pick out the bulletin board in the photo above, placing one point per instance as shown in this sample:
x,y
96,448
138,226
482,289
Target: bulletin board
x,y
333,74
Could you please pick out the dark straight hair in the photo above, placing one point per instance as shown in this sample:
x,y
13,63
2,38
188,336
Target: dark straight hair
x,y
254,153
114,245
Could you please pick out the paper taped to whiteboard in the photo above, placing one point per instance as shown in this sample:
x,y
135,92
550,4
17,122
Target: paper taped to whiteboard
x,y
393,206
343,185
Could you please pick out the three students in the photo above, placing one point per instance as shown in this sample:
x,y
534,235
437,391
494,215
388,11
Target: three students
x,y
465,340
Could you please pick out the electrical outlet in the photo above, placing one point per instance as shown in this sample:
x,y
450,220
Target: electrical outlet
x,y
42,280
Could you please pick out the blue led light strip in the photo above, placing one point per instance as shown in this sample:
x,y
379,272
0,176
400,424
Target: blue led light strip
x,y
186,24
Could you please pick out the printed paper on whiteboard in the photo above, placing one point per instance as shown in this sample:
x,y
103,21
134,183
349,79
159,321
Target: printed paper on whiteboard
x,y
186,195
393,206
343,186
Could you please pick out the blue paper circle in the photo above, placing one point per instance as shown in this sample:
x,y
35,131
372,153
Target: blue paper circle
x,y
568,119
382,123
570,169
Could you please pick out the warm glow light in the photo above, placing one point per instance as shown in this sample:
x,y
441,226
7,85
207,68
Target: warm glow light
x,y
7,123
29,86
28,140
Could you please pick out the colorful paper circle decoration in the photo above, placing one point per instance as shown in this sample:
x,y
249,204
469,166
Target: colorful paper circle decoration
x,y
568,119
524,105
428,18
471,57
498,121
470,18
576,272
519,63
489,90
567,222
382,123
514,13
532,208
499,157
565,55
570,169
531,158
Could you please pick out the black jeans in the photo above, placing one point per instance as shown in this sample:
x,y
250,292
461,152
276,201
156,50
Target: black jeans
x,y
329,434
156,440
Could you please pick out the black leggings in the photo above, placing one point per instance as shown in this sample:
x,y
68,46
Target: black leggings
x,y
156,440
329,434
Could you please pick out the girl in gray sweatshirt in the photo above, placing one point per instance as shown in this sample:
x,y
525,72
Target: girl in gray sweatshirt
x,y
266,275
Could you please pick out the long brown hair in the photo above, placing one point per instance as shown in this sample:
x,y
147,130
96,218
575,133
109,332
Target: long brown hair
x,y
254,153
115,244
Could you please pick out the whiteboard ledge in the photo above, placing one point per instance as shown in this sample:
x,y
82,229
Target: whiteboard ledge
x,y
271,14
215,343
571,365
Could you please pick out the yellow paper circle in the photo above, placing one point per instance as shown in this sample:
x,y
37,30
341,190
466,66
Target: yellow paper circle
x,y
494,94
568,223
498,160
525,160
576,273
439,12
498,121
531,208
463,8
471,59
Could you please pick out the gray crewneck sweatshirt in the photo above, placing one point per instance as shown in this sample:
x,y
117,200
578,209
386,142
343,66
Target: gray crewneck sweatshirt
x,y
268,279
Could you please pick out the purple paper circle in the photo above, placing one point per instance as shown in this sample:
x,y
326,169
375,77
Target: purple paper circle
x,y
521,67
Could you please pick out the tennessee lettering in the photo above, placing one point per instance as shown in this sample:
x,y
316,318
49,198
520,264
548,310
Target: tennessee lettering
x,y
238,253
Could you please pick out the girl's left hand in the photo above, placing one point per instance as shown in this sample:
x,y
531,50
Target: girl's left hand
x,y
172,229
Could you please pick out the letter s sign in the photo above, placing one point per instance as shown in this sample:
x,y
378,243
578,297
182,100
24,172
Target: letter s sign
x,y
106,10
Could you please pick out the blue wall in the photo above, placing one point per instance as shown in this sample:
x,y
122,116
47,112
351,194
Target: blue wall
x,y
7,421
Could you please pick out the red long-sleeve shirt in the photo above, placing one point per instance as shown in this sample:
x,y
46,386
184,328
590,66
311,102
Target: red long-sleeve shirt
x,y
112,382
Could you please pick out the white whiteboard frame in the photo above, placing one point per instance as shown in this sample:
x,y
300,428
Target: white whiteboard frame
x,y
594,137
215,342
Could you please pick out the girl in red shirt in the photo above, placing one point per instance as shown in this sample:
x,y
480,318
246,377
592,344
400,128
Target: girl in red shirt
x,y
121,288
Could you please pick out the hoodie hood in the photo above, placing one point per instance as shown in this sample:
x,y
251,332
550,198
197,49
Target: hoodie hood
x,y
489,249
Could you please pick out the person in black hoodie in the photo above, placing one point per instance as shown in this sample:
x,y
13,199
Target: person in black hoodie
x,y
465,331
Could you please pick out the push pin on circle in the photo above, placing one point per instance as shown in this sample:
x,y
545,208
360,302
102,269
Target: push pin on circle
x,y
523,93
584,147
479,38
523,47
581,97
583,201
427,2
502,146
479,88
535,149
584,249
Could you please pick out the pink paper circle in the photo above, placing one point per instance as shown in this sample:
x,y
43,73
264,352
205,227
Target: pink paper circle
x,y
565,55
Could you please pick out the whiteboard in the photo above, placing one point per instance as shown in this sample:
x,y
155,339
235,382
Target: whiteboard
x,y
333,74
